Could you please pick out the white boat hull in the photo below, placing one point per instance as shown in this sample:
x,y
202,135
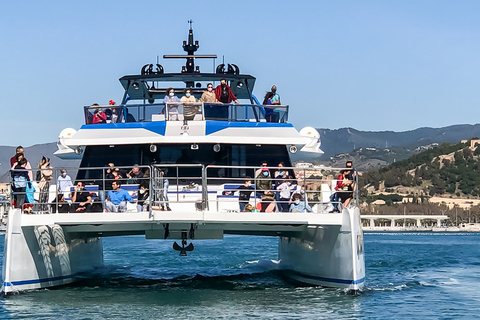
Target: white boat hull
x,y
44,250
43,256
330,256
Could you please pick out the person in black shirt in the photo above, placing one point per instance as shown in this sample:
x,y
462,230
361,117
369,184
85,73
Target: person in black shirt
x,y
244,193
82,199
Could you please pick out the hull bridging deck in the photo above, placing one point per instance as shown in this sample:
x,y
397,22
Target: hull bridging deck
x,y
194,156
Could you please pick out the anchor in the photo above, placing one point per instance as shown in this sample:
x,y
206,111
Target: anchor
x,y
183,249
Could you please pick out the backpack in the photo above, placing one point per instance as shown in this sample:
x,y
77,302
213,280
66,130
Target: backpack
x,y
20,181
38,176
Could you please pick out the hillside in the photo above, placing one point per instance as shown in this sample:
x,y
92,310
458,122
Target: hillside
x,y
396,145
33,154
446,170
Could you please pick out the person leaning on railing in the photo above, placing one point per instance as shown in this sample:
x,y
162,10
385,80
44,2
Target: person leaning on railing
x,y
189,109
172,108
224,94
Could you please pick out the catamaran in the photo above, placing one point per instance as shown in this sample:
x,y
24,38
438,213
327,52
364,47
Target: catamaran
x,y
193,157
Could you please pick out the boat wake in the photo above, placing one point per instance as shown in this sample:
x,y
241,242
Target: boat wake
x,y
241,281
248,275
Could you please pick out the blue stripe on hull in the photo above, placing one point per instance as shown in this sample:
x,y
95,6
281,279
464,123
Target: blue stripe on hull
x,y
158,127
34,281
323,279
215,126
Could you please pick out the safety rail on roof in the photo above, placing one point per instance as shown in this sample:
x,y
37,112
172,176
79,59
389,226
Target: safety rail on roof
x,y
193,187
192,111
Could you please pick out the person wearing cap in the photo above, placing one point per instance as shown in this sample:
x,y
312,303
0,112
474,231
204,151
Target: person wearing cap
x,y
135,175
276,97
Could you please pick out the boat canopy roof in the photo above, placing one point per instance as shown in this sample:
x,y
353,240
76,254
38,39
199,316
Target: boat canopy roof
x,y
146,86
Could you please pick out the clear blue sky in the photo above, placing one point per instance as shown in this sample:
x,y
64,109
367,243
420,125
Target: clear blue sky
x,y
371,65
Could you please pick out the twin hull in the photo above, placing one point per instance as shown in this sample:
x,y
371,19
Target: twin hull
x,y
40,256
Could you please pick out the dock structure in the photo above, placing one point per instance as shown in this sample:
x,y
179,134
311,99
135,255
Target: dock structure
x,y
399,221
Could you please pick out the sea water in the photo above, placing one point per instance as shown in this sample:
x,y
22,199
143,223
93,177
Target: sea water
x,y
409,276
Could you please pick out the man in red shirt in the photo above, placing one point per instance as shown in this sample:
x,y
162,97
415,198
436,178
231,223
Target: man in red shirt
x,y
223,93
18,151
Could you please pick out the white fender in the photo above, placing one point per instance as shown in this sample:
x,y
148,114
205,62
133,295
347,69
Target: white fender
x,y
312,138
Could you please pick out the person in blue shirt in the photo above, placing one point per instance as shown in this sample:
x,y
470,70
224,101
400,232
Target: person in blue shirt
x,y
276,97
298,205
117,198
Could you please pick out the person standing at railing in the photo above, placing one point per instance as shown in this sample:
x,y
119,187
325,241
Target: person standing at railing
x,y
99,116
284,195
64,183
164,184
170,100
20,179
344,188
224,94
44,185
19,151
276,97
263,182
208,96
244,193
189,109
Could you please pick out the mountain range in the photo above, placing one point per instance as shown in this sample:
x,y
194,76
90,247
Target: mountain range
x,y
345,141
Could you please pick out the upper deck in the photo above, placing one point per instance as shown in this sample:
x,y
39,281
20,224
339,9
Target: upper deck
x,y
175,111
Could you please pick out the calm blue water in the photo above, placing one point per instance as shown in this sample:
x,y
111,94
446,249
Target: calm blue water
x,y
409,275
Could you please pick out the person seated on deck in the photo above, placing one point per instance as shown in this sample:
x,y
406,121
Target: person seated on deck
x,y
268,203
135,175
117,198
81,199
143,199
250,208
189,110
298,205
170,100
60,205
